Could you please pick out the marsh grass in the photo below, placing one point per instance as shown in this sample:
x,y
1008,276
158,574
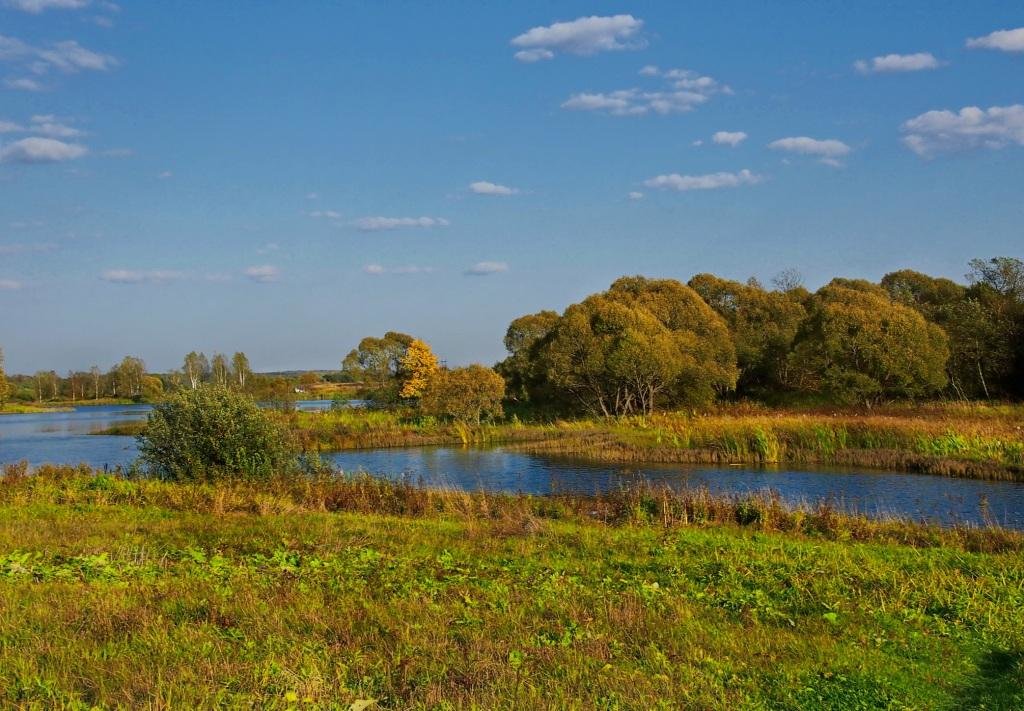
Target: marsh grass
x,y
955,439
119,593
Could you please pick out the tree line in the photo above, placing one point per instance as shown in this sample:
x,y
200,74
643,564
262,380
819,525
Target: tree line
x,y
645,344
649,343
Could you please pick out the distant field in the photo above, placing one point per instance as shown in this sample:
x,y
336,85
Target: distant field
x,y
139,594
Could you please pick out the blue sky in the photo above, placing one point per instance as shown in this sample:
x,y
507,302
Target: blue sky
x,y
285,178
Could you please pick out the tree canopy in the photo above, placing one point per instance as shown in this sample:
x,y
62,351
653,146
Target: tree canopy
x,y
857,345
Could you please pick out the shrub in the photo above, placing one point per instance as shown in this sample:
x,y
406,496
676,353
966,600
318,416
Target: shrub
x,y
464,394
213,432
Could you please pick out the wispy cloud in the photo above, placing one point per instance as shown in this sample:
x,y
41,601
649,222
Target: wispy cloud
x,y
828,151
152,276
920,61
685,90
325,214
263,274
10,285
635,195
24,84
40,150
67,56
484,187
48,125
1002,40
36,7
486,268
710,181
380,270
26,248
376,224
582,36
729,138
936,132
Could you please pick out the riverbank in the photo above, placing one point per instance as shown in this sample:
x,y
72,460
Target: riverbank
x,y
327,593
22,409
971,441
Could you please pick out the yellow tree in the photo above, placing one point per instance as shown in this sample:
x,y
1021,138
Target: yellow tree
x,y
419,364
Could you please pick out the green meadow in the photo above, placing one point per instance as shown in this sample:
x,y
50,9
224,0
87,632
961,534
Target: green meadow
x,y
353,593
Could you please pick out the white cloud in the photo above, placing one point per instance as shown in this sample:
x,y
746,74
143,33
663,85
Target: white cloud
x,y
23,84
729,138
375,224
10,127
1003,40
9,285
582,36
48,125
312,196
698,143
828,150
484,187
37,6
635,195
379,270
67,56
898,63
972,127
649,71
164,175
685,91
263,274
711,181
40,150
486,268
325,214
533,55
152,276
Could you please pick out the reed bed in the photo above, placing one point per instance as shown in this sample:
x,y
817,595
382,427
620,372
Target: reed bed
x,y
639,504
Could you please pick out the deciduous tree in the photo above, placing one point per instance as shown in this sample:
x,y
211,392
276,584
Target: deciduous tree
x,y
419,365
860,346
469,394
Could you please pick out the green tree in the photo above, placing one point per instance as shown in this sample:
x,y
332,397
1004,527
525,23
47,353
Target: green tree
x,y
129,374
522,369
219,370
469,394
763,325
213,432
196,368
5,387
377,363
240,369
419,365
857,345
640,344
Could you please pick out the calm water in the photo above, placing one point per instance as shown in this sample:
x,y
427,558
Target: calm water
x,y
63,437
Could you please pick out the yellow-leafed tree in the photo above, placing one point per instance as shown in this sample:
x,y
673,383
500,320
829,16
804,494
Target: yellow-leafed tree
x,y
418,366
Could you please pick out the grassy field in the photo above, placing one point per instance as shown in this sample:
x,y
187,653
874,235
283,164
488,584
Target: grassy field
x,y
333,593
979,441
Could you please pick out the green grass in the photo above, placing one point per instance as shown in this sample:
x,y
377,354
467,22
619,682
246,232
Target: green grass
x,y
137,594
17,408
